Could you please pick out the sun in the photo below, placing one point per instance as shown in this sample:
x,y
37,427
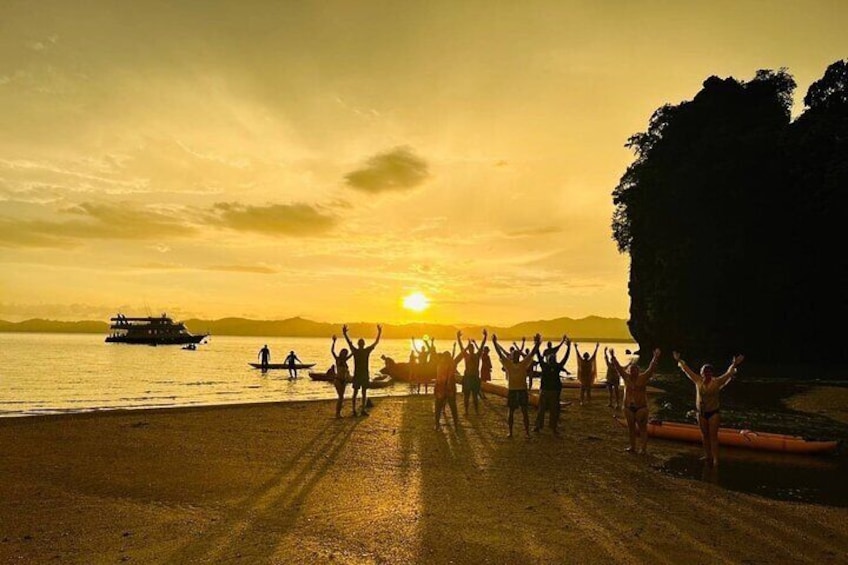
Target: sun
x,y
416,302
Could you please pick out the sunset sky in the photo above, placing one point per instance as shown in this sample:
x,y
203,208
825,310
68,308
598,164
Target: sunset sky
x,y
326,159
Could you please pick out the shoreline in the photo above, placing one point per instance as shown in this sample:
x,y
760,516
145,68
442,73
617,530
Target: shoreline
x,y
286,482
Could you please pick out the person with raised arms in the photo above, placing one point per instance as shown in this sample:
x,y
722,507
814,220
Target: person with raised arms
x,y
613,383
516,373
636,399
707,391
342,375
470,355
550,386
444,390
587,372
361,371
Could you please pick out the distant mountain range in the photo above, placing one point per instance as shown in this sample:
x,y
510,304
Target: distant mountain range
x,y
586,329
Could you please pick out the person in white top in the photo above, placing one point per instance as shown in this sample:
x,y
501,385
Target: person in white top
x,y
707,390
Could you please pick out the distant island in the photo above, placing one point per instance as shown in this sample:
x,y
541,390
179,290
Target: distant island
x,y
591,328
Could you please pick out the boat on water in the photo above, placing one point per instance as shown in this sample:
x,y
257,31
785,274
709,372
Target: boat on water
x,y
747,439
269,366
150,330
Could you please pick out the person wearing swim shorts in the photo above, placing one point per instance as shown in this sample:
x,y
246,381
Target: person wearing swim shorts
x,y
707,391
361,372
516,373
471,375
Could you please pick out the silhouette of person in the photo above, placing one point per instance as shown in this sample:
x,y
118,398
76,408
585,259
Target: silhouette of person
x,y
471,376
264,356
361,372
342,375
292,361
587,371
550,386
485,368
444,390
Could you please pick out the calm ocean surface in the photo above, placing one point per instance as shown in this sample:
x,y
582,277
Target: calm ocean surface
x,y
58,373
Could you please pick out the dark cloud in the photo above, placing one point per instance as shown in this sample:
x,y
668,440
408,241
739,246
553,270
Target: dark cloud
x,y
93,221
394,170
273,219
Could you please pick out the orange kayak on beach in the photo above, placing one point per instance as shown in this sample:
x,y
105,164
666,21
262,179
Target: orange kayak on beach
x,y
747,439
532,397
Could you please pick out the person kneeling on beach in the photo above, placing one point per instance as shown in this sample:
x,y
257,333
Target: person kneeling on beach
x,y
550,388
636,399
516,373
361,371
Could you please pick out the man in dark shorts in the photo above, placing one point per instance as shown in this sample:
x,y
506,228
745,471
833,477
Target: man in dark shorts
x,y
551,386
264,356
471,376
361,372
516,374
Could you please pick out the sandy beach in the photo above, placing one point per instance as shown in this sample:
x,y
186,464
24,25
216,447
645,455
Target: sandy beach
x,y
288,483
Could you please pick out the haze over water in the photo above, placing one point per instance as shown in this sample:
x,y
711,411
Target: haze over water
x,y
58,373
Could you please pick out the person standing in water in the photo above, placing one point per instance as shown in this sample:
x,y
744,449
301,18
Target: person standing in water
x,y
471,376
264,356
516,373
587,371
636,399
342,375
550,386
292,361
613,383
707,390
361,371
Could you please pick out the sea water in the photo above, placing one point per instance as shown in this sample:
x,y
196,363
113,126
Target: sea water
x,y
58,373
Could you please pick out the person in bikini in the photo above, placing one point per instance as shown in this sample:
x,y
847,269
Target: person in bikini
x,y
342,375
516,372
707,391
361,372
636,399
471,376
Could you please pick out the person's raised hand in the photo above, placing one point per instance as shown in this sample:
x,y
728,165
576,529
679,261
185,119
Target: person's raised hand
x,y
737,360
676,355
657,353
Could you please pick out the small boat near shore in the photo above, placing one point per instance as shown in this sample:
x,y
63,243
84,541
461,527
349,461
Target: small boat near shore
x,y
746,439
500,390
270,366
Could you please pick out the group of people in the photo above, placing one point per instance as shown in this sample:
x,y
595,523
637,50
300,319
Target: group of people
x,y
520,366
292,362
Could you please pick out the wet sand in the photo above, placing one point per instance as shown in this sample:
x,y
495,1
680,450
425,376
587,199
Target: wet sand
x,y
288,483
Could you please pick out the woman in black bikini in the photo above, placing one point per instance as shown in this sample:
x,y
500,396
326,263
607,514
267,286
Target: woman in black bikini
x,y
342,376
707,390
636,399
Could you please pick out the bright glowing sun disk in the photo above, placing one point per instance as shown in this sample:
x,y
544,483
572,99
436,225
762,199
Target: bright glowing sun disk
x,y
416,302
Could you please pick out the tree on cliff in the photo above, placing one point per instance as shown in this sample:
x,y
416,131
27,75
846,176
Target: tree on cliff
x,y
721,213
